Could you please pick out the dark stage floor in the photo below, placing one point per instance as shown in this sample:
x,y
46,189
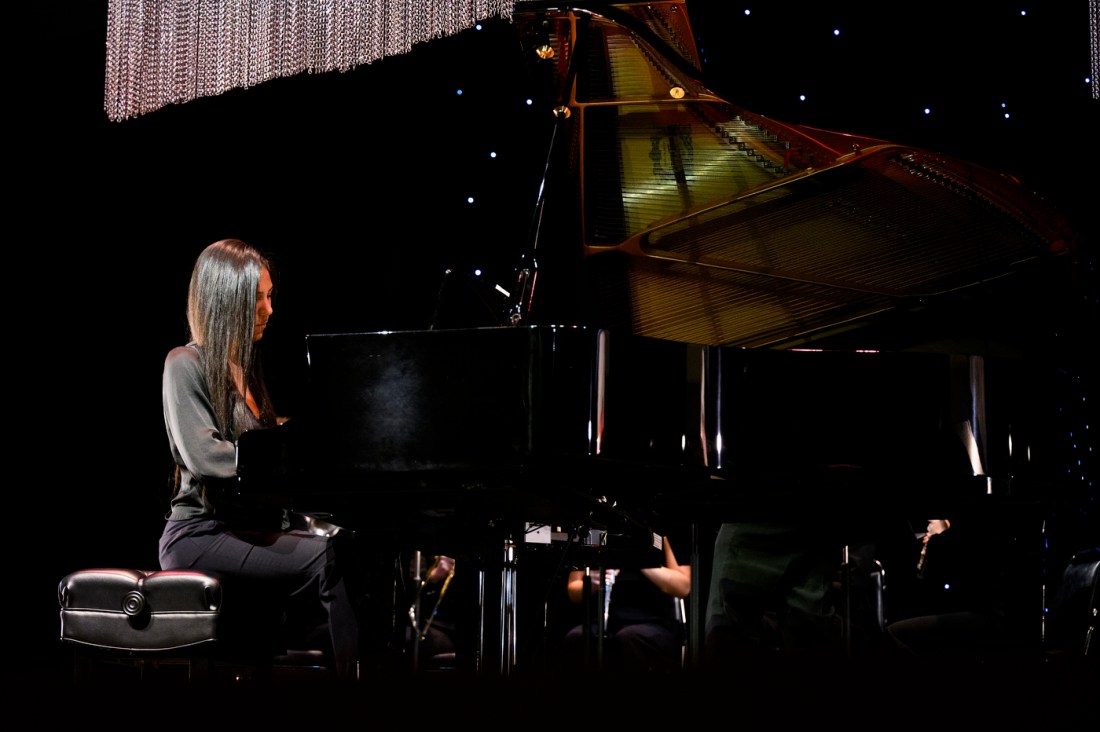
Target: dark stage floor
x,y
1011,694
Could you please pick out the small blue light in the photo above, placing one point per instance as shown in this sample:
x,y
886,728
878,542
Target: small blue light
x,y
469,199
928,110
529,102
836,31
802,97
459,92
748,12
492,154
1007,115
477,273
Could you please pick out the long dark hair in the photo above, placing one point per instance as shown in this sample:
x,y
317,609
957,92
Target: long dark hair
x,y
221,313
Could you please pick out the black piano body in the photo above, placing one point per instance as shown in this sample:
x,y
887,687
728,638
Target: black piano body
x,y
535,422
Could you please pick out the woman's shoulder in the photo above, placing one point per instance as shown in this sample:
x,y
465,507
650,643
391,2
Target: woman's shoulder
x,y
183,358
190,350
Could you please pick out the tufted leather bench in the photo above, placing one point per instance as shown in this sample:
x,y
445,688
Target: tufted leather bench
x,y
147,620
143,616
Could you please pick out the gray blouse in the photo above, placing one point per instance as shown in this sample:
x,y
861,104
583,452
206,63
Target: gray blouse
x,y
200,447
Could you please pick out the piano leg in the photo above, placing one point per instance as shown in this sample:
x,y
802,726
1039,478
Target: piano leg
x,y
846,600
415,610
508,609
479,660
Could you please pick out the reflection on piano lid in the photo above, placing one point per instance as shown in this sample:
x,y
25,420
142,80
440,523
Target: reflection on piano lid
x,y
444,418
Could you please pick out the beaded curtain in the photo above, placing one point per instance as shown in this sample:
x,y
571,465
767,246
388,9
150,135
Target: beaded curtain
x,y
162,52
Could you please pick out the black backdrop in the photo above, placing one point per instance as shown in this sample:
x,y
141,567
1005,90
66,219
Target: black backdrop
x,y
356,183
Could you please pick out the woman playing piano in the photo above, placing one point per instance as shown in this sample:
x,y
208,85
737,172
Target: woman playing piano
x,y
212,391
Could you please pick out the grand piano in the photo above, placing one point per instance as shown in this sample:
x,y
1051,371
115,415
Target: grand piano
x,y
715,316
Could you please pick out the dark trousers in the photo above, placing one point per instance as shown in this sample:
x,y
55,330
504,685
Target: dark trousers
x,y
303,571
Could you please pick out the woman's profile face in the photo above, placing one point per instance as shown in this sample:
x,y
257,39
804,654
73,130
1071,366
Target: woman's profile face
x,y
264,304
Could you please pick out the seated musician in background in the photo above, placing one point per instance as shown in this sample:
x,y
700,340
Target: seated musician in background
x,y
212,391
969,603
432,617
771,594
644,630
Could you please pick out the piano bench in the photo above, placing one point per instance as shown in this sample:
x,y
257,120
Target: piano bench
x,y
127,624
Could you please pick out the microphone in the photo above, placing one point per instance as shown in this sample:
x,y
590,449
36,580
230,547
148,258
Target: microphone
x,y
439,297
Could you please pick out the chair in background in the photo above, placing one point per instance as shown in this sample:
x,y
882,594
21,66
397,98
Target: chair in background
x,y
859,590
1071,621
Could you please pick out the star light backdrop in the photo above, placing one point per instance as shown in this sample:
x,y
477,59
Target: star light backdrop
x,y
367,185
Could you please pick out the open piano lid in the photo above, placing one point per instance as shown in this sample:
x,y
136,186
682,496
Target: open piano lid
x,y
669,212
